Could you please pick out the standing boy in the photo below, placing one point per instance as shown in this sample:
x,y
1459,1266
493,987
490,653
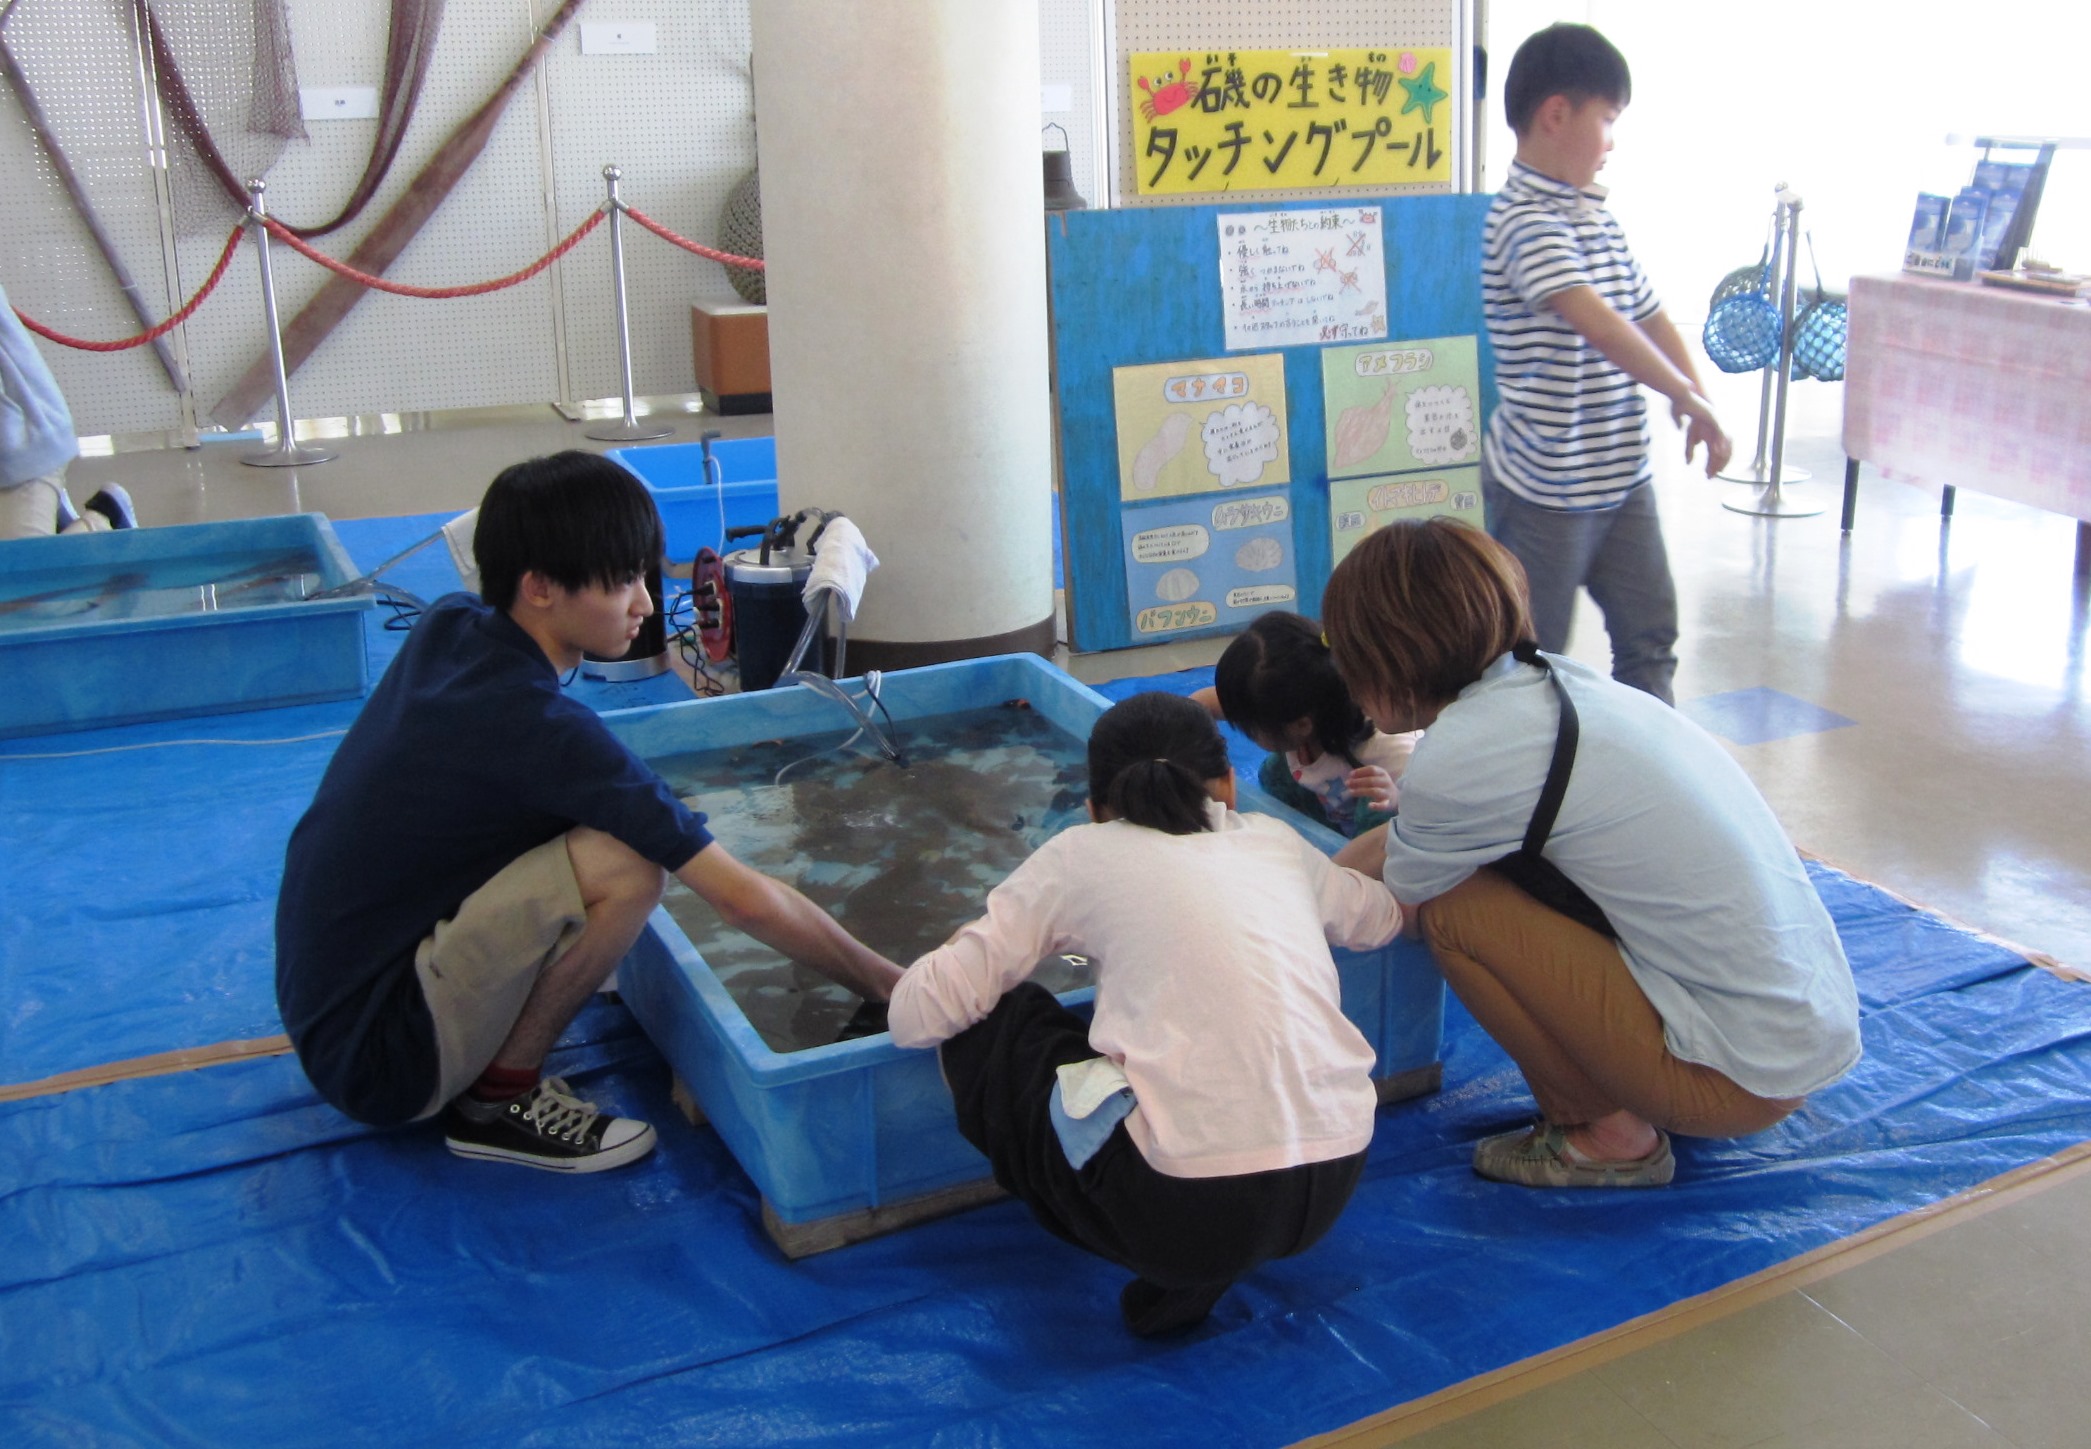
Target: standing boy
x,y
482,851
1576,329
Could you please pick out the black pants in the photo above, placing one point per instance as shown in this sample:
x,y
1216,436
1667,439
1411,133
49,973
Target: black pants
x,y
1176,1232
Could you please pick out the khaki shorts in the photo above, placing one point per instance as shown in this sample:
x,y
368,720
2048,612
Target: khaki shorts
x,y
479,967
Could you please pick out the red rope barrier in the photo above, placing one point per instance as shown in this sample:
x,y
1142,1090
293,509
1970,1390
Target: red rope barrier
x,y
232,244
304,248
754,264
298,244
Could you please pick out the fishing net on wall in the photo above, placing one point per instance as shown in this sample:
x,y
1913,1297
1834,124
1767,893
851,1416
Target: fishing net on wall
x,y
229,85
228,119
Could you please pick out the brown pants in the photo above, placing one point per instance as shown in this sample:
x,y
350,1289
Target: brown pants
x,y
1557,996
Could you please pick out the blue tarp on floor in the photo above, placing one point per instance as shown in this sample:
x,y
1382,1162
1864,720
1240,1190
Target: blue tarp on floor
x,y
215,1257
130,852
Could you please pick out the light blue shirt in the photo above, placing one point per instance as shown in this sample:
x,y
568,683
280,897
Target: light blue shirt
x,y
36,429
1717,919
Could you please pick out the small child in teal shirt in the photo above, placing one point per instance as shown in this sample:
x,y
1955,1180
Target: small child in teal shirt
x,y
1277,685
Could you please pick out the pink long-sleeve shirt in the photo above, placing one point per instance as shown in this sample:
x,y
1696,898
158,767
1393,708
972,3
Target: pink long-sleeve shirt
x,y
1215,990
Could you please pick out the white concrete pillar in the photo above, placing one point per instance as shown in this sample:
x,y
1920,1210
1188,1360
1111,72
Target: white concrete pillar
x,y
904,235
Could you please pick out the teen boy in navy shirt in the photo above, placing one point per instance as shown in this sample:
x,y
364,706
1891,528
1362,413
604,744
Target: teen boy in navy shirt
x,y
482,851
1576,331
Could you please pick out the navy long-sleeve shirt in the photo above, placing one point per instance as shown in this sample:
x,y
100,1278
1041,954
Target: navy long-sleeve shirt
x,y
465,756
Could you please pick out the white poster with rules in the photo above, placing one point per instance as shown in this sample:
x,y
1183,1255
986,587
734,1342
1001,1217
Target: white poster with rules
x,y
1293,277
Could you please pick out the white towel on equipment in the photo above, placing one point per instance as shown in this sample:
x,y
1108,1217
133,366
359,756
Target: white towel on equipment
x,y
457,534
842,560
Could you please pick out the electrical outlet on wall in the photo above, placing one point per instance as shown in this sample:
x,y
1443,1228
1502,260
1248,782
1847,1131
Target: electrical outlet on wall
x,y
617,37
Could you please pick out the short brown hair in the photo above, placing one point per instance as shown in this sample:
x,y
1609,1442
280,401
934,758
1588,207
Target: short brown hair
x,y
1420,607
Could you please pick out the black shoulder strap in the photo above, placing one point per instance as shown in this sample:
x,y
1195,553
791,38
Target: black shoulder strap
x,y
1570,729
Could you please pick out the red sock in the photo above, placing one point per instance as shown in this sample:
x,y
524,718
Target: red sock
x,y
502,1084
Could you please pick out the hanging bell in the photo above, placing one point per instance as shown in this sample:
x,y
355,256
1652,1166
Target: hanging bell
x,y
1060,193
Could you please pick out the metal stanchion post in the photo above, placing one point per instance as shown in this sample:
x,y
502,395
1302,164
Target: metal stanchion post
x,y
288,452
630,430
1769,503
1758,470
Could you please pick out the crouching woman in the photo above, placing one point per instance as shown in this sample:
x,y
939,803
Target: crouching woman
x,y
1599,881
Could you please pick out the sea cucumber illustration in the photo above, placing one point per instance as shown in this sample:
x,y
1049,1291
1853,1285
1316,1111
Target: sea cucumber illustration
x,y
1159,450
1176,585
1362,430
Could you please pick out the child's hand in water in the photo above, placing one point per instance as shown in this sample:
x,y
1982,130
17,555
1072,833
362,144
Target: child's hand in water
x,y
1370,782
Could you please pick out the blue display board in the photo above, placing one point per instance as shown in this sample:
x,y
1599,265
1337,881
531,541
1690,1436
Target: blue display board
x,y
1141,285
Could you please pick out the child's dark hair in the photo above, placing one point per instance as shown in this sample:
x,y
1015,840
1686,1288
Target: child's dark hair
x,y
1149,759
577,518
1278,670
1563,60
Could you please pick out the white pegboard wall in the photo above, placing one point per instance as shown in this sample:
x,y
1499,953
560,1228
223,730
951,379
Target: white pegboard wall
x,y
1067,57
400,353
79,60
680,125
1203,25
677,121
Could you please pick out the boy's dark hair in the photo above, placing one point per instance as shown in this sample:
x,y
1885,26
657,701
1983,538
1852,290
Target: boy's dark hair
x,y
1149,758
1420,607
577,518
1278,670
1563,60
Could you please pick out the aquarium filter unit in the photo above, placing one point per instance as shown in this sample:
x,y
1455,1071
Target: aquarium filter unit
x,y
767,585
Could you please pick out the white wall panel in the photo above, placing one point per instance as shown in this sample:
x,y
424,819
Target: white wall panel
x,y
678,121
400,353
680,124
1067,57
81,61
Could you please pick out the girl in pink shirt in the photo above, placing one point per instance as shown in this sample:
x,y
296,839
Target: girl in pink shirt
x,y
1214,1112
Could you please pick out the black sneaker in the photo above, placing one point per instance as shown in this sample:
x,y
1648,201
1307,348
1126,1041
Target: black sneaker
x,y
547,1127
114,504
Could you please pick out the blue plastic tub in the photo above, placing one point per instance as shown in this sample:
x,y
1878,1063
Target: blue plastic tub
x,y
158,623
857,1129
689,502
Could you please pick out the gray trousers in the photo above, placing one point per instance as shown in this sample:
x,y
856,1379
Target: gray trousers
x,y
1615,553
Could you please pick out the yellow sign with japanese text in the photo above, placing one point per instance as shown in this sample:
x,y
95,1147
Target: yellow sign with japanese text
x,y
1267,120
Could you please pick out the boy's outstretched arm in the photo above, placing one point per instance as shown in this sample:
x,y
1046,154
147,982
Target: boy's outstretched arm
x,y
779,917
1653,354
1663,333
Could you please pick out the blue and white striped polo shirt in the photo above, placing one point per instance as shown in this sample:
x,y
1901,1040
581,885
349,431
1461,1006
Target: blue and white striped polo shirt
x,y
1570,430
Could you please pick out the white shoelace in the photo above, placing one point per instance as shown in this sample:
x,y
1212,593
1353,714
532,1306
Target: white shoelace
x,y
558,1112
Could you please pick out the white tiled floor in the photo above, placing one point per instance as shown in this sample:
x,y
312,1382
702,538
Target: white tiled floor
x,y
1958,653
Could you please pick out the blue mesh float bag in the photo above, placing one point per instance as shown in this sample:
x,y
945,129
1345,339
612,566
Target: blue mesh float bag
x,y
1742,321
1742,333
1819,331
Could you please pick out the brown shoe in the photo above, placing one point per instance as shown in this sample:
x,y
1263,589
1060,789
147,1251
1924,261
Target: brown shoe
x,y
1540,1157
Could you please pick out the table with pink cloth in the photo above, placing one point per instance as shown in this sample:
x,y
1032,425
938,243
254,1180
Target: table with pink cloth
x,y
1961,384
